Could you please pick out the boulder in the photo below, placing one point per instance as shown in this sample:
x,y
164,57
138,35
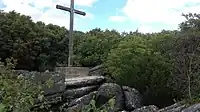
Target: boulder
x,y
97,71
85,100
57,80
76,108
132,97
71,72
84,81
55,88
177,107
53,99
78,92
110,90
79,103
192,108
150,108
41,77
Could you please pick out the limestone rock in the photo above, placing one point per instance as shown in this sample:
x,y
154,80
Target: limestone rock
x,y
150,108
132,97
79,103
83,100
110,90
192,108
177,107
41,77
97,71
71,72
78,92
55,88
57,80
84,81
76,108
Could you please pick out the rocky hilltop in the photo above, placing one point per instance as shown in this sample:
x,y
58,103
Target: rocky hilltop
x,y
71,94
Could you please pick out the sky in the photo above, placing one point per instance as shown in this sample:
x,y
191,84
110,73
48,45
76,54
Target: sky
x,y
122,15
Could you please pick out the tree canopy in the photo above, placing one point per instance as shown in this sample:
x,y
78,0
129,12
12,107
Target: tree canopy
x,y
160,65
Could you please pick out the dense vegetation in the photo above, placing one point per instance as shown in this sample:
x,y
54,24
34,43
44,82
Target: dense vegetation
x,y
163,66
16,93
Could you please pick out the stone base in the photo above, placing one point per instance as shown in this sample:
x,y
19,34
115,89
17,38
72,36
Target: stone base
x,y
71,72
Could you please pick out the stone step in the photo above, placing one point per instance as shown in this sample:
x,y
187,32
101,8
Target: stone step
x,y
84,81
71,72
74,83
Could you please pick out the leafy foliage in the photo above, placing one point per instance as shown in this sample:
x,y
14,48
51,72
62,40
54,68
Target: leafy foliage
x,y
135,63
35,46
164,64
14,95
94,49
17,94
186,57
91,107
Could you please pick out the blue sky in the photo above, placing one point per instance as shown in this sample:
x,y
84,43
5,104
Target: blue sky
x,y
122,15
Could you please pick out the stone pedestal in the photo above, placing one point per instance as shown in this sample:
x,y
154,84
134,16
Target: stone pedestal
x,y
71,72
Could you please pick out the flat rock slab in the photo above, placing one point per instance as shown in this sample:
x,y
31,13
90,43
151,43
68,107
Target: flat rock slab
x,y
177,107
192,108
150,108
41,77
79,92
85,100
71,72
84,81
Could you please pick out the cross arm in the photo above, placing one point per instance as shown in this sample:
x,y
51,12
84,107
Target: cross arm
x,y
79,12
69,10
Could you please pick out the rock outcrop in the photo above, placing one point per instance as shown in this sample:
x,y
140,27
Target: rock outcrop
x,y
179,107
133,98
108,91
150,108
97,71
72,94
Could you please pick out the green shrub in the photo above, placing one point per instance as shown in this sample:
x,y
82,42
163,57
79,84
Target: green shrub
x,y
16,93
134,63
91,107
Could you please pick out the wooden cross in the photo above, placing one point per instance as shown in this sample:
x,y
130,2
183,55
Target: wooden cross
x,y
71,10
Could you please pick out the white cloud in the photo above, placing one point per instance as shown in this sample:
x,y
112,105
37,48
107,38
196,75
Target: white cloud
x,y
88,15
162,11
88,3
148,29
45,10
145,29
85,2
23,8
117,18
56,17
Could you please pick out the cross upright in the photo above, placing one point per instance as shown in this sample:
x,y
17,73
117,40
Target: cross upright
x,y
71,10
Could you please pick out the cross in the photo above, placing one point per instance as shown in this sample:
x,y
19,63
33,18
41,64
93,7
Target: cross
x,y
71,10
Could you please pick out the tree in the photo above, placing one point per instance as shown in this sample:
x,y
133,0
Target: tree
x,y
35,46
94,48
134,63
186,54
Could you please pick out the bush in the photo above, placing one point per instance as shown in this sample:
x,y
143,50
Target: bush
x,y
134,63
91,107
94,48
16,93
